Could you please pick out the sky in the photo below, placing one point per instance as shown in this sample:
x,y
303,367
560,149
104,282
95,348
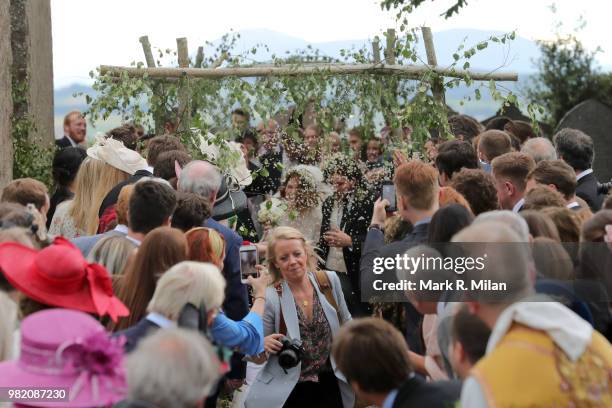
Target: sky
x,y
88,33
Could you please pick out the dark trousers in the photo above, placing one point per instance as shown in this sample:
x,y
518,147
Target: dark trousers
x,y
352,296
322,394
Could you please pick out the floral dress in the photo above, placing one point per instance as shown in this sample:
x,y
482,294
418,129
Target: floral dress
x,y
63,224
316,338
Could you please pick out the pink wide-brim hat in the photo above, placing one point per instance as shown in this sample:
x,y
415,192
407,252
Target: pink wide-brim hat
x,y
67,349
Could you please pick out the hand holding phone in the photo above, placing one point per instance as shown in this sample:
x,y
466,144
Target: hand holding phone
x,y
388,193
249,259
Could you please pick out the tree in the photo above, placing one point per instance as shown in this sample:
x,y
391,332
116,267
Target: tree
x,y
567,75
407,6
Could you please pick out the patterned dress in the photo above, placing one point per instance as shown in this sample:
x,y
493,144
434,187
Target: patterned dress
x,y
316,337
63,224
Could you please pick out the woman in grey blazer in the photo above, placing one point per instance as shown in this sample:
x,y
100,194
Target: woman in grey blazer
x,y
297,307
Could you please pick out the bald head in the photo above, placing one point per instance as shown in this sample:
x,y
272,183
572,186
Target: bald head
x,y
540,148
172,367
508,259
509,218
487,231
201,178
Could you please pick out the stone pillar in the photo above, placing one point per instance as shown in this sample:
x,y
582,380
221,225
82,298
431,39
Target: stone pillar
x,y
31,85
40,69
6,102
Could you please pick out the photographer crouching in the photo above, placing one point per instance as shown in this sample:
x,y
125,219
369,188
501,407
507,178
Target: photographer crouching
x,y
304,310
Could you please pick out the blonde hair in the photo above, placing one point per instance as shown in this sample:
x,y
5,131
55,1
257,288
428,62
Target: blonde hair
x,y
188,282
94,180
288,233
113,253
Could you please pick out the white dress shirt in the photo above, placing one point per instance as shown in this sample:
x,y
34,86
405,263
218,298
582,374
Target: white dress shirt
x,y
583,173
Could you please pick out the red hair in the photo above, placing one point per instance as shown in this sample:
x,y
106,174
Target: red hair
x,y
205,245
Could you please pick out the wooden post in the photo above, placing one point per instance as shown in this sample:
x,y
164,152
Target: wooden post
x,y
6,99
376,50
182,52
40,71
184,107
159,115
390,50
437,87
199,57
407,71
146,48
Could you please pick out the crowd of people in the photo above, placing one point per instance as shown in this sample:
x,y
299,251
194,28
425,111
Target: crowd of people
x,y
122,286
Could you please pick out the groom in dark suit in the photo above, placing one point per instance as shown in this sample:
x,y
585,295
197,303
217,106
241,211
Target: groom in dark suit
x,y
576,149
75,130
417,192
344,224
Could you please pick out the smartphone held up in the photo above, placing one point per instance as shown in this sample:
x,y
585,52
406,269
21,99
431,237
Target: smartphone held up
x,y
388,193
249,259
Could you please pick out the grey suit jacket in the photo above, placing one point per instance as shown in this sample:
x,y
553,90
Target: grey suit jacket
x,y
272,386
85,244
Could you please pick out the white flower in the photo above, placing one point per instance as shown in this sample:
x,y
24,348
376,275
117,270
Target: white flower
x,y
227,156
271,211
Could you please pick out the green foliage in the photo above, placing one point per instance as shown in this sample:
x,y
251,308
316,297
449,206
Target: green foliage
x,y
30,156
566,76
408,6
604,88
390,100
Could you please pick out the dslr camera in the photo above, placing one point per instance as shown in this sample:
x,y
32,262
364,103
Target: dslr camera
x,y
604,188
291,353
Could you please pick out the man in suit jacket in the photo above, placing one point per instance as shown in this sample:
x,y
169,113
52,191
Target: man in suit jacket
x,y
387,380
417,192
345,219
510,172
203,178
576,149
75,130
556,175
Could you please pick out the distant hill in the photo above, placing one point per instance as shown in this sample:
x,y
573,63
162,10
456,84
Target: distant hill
x,y
516,57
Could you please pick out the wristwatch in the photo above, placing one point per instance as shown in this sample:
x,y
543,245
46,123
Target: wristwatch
x,y
376,227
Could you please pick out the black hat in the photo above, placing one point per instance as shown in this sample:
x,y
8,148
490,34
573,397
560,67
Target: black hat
x,y
230,200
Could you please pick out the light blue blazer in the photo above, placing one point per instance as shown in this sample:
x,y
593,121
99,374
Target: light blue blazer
x,y
272,386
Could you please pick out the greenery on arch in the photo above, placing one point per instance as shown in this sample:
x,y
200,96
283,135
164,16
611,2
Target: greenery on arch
x,y
375,100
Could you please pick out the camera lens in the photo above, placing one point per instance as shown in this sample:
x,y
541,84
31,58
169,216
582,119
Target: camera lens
x,y
288,359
